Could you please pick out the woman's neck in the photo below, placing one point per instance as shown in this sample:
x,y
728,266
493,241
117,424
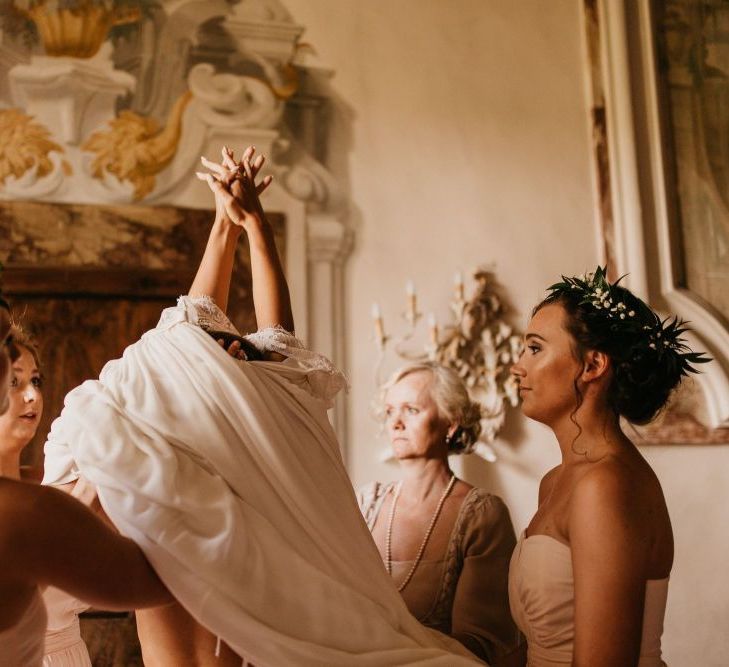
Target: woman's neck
x,y
424,478
10,464
589,434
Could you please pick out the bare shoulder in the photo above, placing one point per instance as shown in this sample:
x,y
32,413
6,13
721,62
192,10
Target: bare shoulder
x,y
608,483
606,502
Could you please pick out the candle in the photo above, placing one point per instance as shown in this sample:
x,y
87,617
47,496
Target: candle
x,y
458,282
379,324
433,329
412,301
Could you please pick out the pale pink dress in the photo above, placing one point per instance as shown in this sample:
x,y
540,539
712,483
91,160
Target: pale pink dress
x,y
22,644
542,598
63,644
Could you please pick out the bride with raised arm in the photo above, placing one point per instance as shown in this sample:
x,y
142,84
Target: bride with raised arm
x,y
227,473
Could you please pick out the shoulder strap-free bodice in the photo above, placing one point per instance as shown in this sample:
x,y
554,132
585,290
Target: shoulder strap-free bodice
x,y
542,599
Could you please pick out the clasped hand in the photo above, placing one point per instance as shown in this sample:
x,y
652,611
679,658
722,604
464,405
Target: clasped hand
x,y
234,186
236,201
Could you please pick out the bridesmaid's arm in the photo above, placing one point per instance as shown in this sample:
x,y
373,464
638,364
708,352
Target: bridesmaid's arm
x,y
49,538
609,555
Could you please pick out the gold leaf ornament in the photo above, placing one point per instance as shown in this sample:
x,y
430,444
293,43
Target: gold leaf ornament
x,y
135,149
24,144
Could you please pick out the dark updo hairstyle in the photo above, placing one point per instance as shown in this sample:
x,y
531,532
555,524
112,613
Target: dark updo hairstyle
x,y
13,351
649,357
21,338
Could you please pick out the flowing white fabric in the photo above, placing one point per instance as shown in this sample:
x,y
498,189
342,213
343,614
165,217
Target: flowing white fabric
x,y
229,477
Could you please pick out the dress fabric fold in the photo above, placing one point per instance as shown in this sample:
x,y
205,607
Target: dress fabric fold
x,y
229,476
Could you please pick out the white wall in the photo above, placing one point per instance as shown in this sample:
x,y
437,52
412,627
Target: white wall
x,y
460,128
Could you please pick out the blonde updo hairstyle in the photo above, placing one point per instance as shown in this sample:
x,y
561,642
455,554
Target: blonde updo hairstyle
x,y
451,396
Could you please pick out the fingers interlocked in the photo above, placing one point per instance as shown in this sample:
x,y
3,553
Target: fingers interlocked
x,y
229,172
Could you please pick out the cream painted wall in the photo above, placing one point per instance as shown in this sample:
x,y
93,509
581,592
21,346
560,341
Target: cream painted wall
x,y
460,129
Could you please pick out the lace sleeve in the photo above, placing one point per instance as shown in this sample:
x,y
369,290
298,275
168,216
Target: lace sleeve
x,y
324,378
204,312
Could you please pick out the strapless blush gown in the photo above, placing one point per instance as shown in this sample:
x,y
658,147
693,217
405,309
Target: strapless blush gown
x,y
542,599
22,644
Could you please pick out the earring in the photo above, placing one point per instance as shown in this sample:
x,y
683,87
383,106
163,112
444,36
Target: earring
x,y
453,440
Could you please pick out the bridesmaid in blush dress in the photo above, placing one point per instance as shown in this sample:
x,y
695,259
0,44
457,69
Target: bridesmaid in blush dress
x,y
588,580
64,646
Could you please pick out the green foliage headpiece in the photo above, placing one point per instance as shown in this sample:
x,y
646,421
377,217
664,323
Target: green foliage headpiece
x,y
629,324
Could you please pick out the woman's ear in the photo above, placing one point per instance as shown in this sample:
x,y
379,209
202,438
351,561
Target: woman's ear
x,y
596,365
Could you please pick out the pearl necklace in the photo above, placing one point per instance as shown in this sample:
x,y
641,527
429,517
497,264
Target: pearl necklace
x,y
421,550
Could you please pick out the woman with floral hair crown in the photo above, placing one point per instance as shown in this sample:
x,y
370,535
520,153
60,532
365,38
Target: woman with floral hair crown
x,y
588,580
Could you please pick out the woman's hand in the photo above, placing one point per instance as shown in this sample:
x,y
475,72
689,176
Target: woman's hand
x,y
233,184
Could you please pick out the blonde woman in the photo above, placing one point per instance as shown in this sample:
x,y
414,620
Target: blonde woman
x,y
445,543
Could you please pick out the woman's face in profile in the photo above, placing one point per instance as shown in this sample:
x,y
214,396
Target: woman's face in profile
x,y
4,358
547,369
414,425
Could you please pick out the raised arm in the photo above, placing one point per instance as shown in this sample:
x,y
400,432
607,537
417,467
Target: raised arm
x,y
236,193
216,266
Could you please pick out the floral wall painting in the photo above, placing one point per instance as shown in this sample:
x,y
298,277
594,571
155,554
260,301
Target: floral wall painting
x,y
659,84
111,103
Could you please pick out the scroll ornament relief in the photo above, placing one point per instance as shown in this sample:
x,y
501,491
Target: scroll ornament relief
x,y
82,143
27,153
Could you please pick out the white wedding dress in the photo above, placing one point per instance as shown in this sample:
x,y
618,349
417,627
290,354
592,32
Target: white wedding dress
x,y
228,475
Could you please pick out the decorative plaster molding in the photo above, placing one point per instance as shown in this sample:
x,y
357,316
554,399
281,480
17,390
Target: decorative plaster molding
x,y
74,99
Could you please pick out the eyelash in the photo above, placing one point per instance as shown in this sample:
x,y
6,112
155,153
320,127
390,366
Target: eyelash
x,y
533,348
37,382
410,410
